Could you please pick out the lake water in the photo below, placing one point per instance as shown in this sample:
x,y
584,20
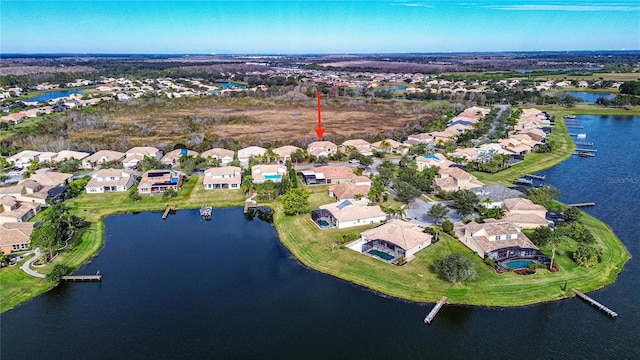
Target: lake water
x,y
230,85
54,95
185,288
590,97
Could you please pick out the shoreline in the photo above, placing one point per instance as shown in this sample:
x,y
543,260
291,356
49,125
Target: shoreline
x,y
193,196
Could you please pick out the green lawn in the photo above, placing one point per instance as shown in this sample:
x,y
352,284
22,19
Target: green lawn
x,y
417,282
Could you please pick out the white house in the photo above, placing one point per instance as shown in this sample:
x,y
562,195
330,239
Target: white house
x,y
322,148
245,155
350,213
23,158
101,157
225,156
229,177
110,180
263,173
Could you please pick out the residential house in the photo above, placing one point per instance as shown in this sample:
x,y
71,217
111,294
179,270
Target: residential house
x,y
15,237
29,191
389,146
245,155
399,238
501,241
468,154
51,178
444,136
110,180
70,154
493,196
345,191
348,213
514,146
321,148
422,138
23,158
453,179
143,151
328,175
361,146
172,157
102,157
229,177
437,160
263,173
536,134
524,213
284,153
223,155
12,210
47,157
156,182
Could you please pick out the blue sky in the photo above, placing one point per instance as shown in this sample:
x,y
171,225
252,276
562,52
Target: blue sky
x,y
273,27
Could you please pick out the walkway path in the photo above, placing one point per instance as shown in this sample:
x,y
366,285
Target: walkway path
x,y
26,267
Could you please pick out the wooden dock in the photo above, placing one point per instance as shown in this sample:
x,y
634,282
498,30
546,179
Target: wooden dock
x,y
249,203
435,310
537,177
582,204
81,278
206,211
166,213
600,307
569,126
586,150
523,181
583,143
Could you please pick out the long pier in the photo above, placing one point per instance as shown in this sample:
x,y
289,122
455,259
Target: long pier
x,y
574,126
522,181
584,143
166,213
582,204
435,310
600,307
586,150
81,278
537,177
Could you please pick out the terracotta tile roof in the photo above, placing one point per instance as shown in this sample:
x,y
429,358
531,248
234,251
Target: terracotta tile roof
x,y
401,233
104,155
16,233
50,178
497,228
335,172
349,190
217,153
350,210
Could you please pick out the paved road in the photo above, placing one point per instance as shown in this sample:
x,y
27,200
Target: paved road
x,y
496,121
26,267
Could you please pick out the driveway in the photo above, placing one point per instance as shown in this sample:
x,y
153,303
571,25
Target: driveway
x,y
26,267
419,209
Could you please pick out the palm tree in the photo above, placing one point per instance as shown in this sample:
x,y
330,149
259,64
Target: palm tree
x,y
554,241
386,145
438,212
270,156
247,185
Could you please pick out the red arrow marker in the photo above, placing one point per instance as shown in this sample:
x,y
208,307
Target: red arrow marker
x,y
319,130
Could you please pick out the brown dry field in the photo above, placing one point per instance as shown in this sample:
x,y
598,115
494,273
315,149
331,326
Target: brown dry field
x,y
252,121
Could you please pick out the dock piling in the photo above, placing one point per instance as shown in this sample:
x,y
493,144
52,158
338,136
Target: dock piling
x,y
435,310
600,307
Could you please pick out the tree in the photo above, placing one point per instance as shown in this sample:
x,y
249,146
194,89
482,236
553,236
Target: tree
x,y
438,212
464,201
150,163
539,196
365,161
554,241
586,256
47,237
541,236
447,226
376,190
572,214
406,192
456,267
298,156
247,185
169,193
268,190
551,191
322,160
296,201
57,271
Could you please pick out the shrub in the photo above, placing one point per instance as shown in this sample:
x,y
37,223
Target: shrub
x,y
57,271
586,256
345,238
456,267
491,262
169,193
447,226
400,261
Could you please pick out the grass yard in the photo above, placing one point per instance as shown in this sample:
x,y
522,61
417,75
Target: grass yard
x,y
416,281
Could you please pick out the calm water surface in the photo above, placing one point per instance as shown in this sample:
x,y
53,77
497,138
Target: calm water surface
x,y
590,97
185,288
55,95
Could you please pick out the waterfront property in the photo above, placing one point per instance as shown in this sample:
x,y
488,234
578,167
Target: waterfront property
x,y
15,237
452,179
229,177
493,196
110,180
396,239
14,211
156,182
328,175
348,213
501,241
524,213
264,173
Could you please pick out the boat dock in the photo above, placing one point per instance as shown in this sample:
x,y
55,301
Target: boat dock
x,y
571,126
205,211
435,310
536,177
81,278
582,204
586,150
584,143
166,213
523,181
600,307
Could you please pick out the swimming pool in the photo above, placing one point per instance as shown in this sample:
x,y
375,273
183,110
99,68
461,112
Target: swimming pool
x,y
323,223
273,177
382,255
519,264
